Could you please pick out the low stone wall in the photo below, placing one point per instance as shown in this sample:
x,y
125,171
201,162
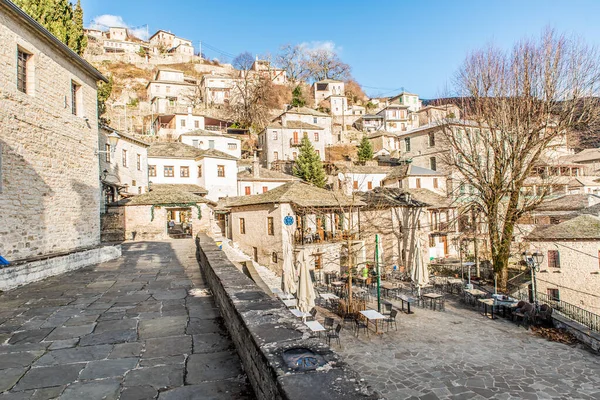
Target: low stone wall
x,y
21,274
262,329
581,332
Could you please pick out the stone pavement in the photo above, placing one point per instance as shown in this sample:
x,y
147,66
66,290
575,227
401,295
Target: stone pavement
x,y
140,327
460,354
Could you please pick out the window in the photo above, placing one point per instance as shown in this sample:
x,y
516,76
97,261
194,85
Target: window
x,y
554,294
406,144
433,163
169,171
151,170
133,182
196,124
275,156
139,162
242,226
124,156
314,120
195,142
22,75
316,136
431,241
221,171
553,259
182,123
369,185
355,185
107,149
431,139
270,226
274,257
211,144
461,188
435,183
265,189
318,261
184,172
139,190
274,135
418,183
294,155
247,190
199,171
75,89
295,138
168,89
232,146
318,153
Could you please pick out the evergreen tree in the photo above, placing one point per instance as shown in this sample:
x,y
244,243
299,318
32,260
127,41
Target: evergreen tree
x,y
365,150
308,165
104,91
297,97
60,18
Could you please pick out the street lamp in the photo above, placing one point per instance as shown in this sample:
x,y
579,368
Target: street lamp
x,y
113,139
533,261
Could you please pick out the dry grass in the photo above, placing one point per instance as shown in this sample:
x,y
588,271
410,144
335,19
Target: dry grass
x,y
340,153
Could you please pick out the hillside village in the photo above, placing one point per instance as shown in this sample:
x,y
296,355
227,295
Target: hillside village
x,y
137,141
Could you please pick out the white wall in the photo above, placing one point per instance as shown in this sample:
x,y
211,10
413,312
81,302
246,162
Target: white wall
x,y
219,186
160,163
256,187
221,143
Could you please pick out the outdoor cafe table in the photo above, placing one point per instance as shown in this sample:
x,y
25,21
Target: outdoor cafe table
x,y
374,316
329,296
315,326
491,303
299,313
433,299
475,293
290,303
387,286
285,296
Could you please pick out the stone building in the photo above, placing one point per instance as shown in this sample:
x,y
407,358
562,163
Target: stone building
x,y
205,140
256,179
123,167
570,270
49,181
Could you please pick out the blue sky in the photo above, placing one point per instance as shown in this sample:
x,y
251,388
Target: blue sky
x,y
415,45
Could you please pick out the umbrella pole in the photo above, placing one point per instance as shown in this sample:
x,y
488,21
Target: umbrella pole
x,y
378,275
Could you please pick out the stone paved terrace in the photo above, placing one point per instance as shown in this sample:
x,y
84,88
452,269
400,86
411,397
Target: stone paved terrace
x,y
460,354
140,327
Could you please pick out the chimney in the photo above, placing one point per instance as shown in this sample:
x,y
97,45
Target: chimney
x,y
255,168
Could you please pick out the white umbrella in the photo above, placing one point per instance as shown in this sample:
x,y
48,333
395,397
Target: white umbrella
x,y
288,277
419,273
306,291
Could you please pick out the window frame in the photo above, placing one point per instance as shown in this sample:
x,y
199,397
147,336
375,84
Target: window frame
x,y
75,98
169,168
220,171
139,161
199,171
23,67
184,171
107,152
554,260
152,170
124,158
270,226
242,226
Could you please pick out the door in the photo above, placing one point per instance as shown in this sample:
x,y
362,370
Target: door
x,y
445,241
255,254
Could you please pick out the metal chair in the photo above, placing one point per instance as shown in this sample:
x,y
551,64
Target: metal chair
x,y
334,335
358,325
392,320
328,323
313,314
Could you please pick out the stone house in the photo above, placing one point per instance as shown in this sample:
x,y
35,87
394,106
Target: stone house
x,y
410,176
163,40
256,179
171,91
205,140
124,168
171,123
398,118
217,88
356,178
435,114
369,123
409,100
49,181
179,163
323,90
166,211
384,143
570,270
589,158
321,223
264,68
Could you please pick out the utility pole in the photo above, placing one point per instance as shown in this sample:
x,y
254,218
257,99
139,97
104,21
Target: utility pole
x,y
200,50
475,230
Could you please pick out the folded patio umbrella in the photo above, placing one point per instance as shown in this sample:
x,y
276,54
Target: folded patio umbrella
x,y
419,272
306,292
288,277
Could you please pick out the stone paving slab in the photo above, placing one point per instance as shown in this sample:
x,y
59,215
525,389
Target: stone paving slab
x,y
127,329
460,354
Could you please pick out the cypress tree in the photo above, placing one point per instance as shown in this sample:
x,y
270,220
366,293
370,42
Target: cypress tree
x,y
297,97
365,150
308,165
77,39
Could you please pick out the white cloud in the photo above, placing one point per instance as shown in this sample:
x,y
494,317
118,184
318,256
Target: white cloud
x,y
326,45
106,21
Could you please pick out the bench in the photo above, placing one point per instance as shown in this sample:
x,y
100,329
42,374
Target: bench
x,y
408,300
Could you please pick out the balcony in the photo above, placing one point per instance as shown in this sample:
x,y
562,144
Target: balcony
x,y
322,236
294,143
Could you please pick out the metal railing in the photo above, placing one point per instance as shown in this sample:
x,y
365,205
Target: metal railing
x,y
573,312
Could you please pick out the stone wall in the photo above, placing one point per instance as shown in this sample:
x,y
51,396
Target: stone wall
x,y
28,272
262,329
49,191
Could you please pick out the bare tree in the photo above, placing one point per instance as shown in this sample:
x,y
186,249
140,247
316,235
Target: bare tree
x,y
518,105
325,64
292,60
243,61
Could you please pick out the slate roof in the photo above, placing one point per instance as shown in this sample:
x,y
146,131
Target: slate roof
x,y
381,197
306,111
434,200
586,155
329,81
362,169
583,227
301,125
381,133
298,193
163,197
402,171
205,132
571,202
195,189
182,150
265,175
